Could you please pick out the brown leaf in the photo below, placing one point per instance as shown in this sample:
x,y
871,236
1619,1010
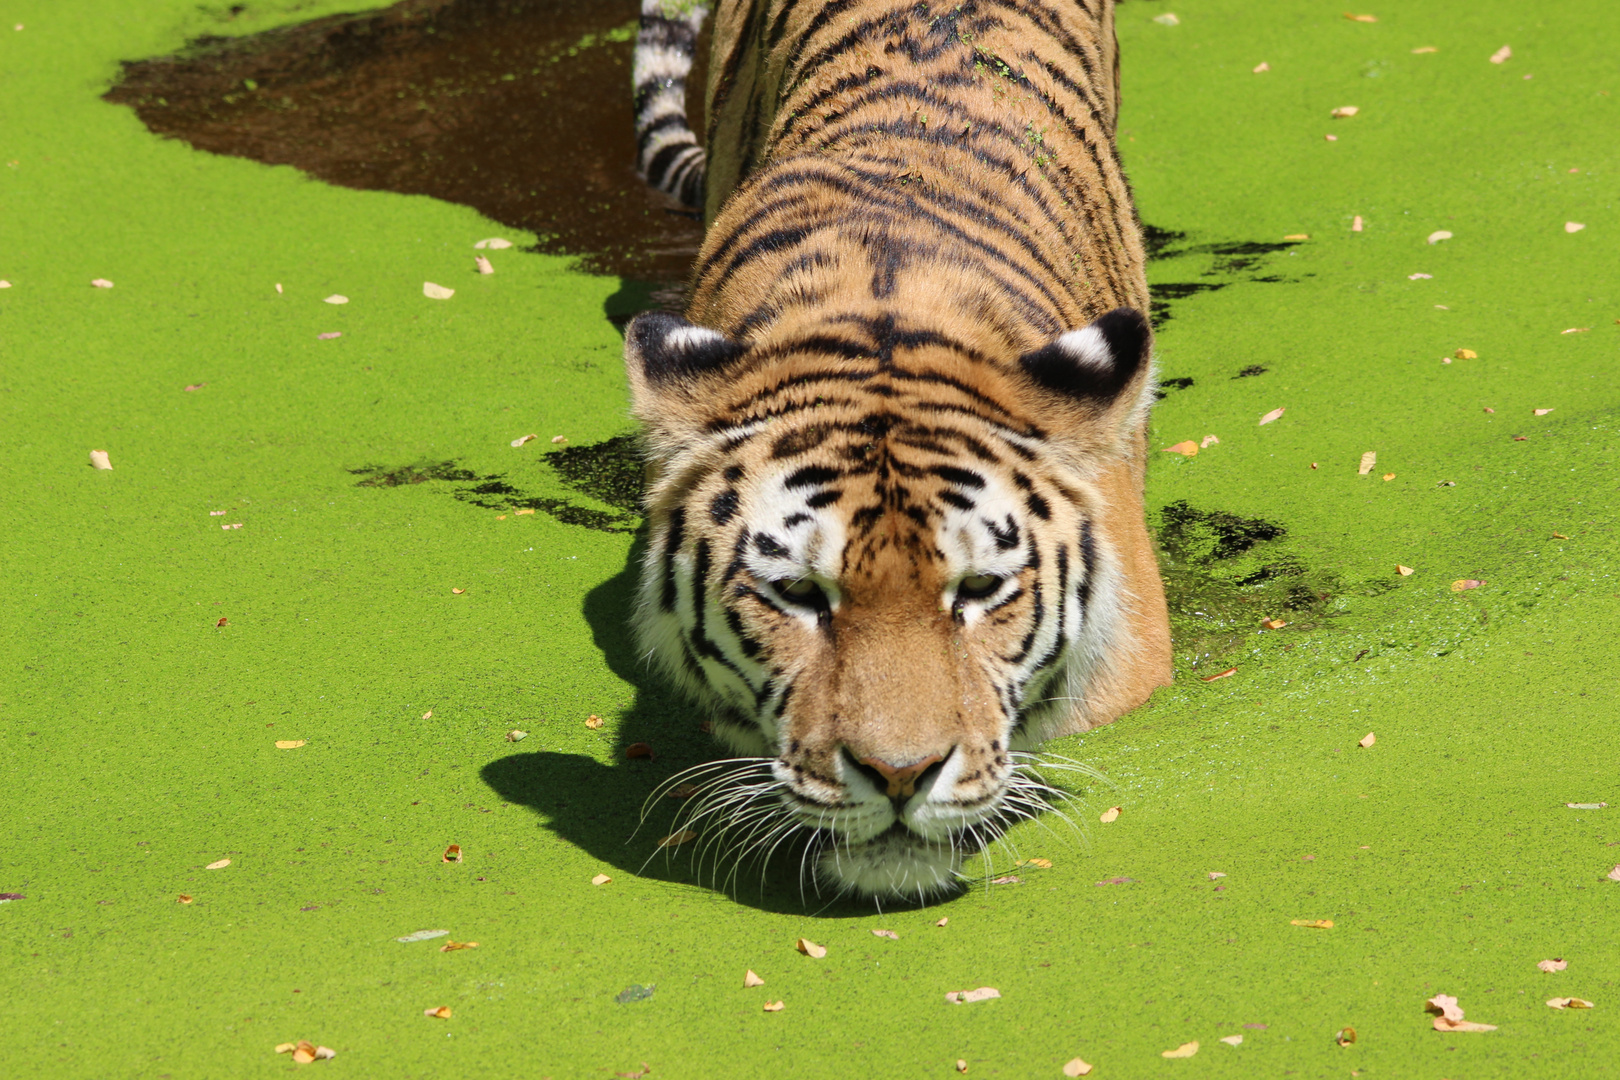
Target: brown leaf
x,y
1274,413
968,997
441,1013
1559,536
1367,740
594,722
1465,584
1346,1036
1274,624
523,439
1550,966
600,879
1361,18
218,864
638,750
304,1052
182,899
452,853
455,946
1368,460
1569,1003
1221,674
947,918
1109,815
1344,112
1186,449
676,839
223,621
810,948
775,1006
1404,571
516,736
1185,1050
455,591
890,934
1614,875
1314,924
1008,879
1076,1067
750,979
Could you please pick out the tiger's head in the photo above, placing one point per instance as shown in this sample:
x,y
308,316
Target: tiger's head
x,y
891,562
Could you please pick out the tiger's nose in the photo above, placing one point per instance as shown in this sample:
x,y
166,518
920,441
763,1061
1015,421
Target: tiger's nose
x,y
896,781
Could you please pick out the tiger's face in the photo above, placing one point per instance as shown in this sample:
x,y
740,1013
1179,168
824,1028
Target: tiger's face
x,y
886,580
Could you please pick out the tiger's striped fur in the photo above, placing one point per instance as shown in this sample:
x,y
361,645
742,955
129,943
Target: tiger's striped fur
x,y
897,453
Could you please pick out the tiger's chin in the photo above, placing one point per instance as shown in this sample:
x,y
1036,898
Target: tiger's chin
x,y
896,864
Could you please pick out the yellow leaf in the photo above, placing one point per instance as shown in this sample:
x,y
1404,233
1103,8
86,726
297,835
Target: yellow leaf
x,y
1185,1050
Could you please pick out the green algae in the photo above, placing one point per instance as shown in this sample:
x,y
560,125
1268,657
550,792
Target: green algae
x,y
137,736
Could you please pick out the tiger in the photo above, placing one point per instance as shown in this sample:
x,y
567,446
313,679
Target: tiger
x,y
896,445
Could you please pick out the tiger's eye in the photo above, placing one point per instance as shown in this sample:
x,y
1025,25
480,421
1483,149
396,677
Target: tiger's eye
x,y
802,591
977,586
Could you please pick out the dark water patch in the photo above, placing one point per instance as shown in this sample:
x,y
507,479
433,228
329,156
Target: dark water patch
x,y
1162,294
1251,371
612,471
1233,260
520,109
1167,385
1157,241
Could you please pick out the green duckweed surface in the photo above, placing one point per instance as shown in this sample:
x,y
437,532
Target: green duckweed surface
x,y
369,474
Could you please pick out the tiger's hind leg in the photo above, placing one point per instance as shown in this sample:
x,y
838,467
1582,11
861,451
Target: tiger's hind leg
x,y
668,156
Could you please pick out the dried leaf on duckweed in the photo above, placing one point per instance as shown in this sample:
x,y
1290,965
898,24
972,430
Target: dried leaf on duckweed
x,y
1108,815
1439,235
1445,1005
961,1065
1220,674
218,864
1368,460
182,899
1419,277
428,715
678,838
233,525
285,1048
1314,924
1573,226
1232,1040
775,1006
890,934
1344,112
1355,224
1504,53
452,853
455,946
330,335
1007,879
1442,1024
223,621
483,265
1186,449
436,292
1465,584
1367,740
1614,875
1185,1050
638,750
1270,416
289,744
1346,1036
101,283
516,736
751,980
594,722
1300,235
681,791
100,459
1389,476
1076,1067
303,1052
442,1012
423,935
555,439
1466,354
1167,19
278,287
4,284
494,243
1216,875
1541,412
337,298
1041,864
810,948
1569,1003
1274,624
967,997
600,879
523,510
1361,18
1261,67
1209,441
1330,138
1404,571
455,591
1550,966
1587,805
524,439
947,918
1424,49
1571,330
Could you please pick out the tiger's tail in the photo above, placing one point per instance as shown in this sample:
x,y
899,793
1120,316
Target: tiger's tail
x,y
667,153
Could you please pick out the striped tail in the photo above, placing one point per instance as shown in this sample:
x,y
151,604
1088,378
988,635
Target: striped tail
x,y
667,153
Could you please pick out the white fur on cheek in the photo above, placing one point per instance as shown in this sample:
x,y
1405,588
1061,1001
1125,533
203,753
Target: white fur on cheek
x,y
1088,348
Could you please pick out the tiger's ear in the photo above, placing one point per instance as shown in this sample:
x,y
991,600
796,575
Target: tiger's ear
x,y
1096,363
671,363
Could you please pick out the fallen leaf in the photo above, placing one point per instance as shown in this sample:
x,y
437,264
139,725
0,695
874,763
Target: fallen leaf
x,y
100,459
1330,138
1361,18
289,744
337,298
1307,858
1614,875
198,386
182,899
1501,54
1573,226
1439,235
1216,875
483,265
101,283
751,980
1109,815
555,439
1550,966
677,839
890,934
1209,441
1270,416
218,864
1009,879
223,621
442,1012
494,243
1314,924
1424,49
525,439
1355,224
1118,881
1465,584
325,1053
233,525
1569,1003
594,722
961,1065
1367,740
1313,464
1521,438
1040,864
967,997
436,292
500,517
278,286
330,335
304,1052
1344,112
1576,330
285,1048
1298,235
1404,571
428,715
810,948
523,510
452,853
1368,460
1389,476
423,935
1346,1036
455,591
681,791
456,946
1587,805
638,750
1220,675
1076,1067
516,736
1232,1040
947,918
1167,19
1274,624
1419,277
1262,66
1185,1050
775,1006
1542,412
1186,449
4,284
600,879
1446,1006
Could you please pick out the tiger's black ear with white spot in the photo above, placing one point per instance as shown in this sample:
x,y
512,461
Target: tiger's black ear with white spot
x,y
1095,363
664,348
